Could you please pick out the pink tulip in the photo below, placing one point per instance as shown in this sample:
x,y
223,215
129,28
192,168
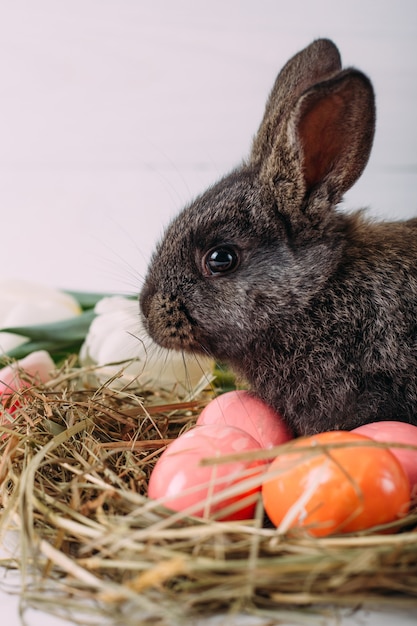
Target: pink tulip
x,y
37,366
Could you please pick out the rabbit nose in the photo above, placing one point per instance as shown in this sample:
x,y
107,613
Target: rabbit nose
x,y
145,298
151,315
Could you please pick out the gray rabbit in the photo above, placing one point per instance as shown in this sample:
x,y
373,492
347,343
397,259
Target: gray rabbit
x,y
315,308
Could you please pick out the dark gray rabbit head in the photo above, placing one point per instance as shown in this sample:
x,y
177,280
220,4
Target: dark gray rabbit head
x,y
263,273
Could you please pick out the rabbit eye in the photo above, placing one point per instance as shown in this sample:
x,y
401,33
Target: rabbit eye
x,y
221,260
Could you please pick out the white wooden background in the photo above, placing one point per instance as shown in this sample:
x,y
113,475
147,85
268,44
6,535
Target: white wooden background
x,y
114,113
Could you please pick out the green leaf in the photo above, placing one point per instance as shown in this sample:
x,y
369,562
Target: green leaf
x,y
60,339
224,378
69,330
88,300
59,351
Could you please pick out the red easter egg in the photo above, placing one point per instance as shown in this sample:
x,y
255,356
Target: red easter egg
x,y
244,411
396,432
181,482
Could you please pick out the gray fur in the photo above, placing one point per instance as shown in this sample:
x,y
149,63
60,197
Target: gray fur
x,y
319,316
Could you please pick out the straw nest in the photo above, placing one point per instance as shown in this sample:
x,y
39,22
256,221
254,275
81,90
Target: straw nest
x,y
74,470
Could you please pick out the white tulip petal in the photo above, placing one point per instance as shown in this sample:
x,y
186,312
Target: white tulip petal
x,y
10,341
23,303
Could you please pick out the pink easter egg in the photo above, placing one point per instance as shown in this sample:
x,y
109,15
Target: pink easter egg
x,y
244,411
180,481
396,432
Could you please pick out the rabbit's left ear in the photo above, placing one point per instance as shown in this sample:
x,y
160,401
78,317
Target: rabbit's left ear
x,y
334,125
321,149
314,64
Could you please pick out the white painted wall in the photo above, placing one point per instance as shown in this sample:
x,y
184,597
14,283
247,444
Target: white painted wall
x,y
114,113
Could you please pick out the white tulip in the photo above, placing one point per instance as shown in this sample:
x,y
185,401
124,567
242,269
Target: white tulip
x,y
23,303
118,344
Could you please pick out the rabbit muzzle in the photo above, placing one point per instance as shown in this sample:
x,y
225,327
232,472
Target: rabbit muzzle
x,y
168,322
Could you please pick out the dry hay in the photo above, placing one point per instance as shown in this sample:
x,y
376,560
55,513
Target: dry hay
x,y
74,471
